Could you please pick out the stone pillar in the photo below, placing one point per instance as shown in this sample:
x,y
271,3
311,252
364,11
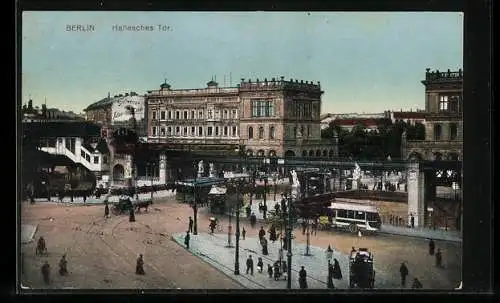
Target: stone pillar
x,y
416,190
163,168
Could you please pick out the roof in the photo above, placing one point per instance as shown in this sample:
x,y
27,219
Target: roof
x,y
353,206
100,104
203,181
410,115
49,129
353,122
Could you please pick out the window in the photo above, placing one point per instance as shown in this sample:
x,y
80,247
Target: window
x,y
302,130
200,114
262,108
209,131
225,131
454,103
360,215
210,114
350,214
185,131
96,160
314,111
453,131
261,132
177,115
162,131
216,131
192,115
154,130
169,131
250,132
200,131
169,115
185,115
104,160
154,115
193,130
233,114
87,157
437,132
177,130
443,103
162,115
295,132
82,154
234,131
308,130
225,114
342,213
272,132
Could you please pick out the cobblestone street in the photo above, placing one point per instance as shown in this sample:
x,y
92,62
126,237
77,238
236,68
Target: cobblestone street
x,y
102,252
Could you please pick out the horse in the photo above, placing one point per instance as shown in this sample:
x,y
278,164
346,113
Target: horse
x,y
143,204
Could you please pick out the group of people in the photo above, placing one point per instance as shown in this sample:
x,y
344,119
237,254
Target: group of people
x,y
276,270
403,269
41,249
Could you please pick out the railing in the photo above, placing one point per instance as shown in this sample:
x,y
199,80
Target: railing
x,y
448,75
196,91
446,144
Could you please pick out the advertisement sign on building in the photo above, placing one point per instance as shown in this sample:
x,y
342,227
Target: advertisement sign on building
x,y
120,111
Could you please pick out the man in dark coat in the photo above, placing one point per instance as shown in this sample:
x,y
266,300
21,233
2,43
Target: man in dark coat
x,y
330,276
186,239
106,210
403,270
248,211
139,268
276,207
41,248
412,221
253,220
304,227
264,247
302,278
244,233
270,270
262,233
250,265
272,234
191,222
439,258
432,246
46,272
416,284
63,266
337,272
131,217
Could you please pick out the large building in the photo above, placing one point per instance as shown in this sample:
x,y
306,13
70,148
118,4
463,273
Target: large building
x,y
443,120
275,117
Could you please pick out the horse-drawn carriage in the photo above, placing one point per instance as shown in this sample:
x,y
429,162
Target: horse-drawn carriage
x,y
361,271
125,204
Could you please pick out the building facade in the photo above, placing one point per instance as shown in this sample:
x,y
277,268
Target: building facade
x,y
198,117
443,120
282,118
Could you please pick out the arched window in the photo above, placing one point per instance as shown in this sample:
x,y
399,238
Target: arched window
x,y
311,153
438,156
272,132
250,132
318,153
453,131
437,132
289,153
304,153
325,153
261,132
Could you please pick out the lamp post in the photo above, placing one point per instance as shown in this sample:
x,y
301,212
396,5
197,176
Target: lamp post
x,y
238,204
289,244
195,204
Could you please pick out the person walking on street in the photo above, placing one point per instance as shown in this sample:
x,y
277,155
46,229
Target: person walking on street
x,y
337,272
131,217
432,246
260,265
190,229
412,221
250,265
439,258
186,239
106,210
270,270
304,227
139,267
302,278
63,266
262,233
244,233
46,272
330,276
403,270
416,284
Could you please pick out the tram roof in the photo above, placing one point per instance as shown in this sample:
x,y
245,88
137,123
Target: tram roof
x,y
202,181
353,206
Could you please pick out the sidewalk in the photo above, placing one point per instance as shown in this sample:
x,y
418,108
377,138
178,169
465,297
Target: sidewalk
x,y
93,200
28,232
211,249
451,235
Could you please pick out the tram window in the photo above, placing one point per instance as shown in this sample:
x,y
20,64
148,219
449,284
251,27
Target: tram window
x,y
350,214
360,215
342,213
372,217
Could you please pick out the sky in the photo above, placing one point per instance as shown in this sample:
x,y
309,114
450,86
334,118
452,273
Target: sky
x,y
367,62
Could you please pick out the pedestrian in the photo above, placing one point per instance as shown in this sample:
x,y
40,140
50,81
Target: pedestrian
x,y
190,229
244,233
272,234
270,270
432,246
253,220
276,271
416,284
285,242
264,247
250,264
41,247
277,207
248,210
391,219
186,239
304,226
262,233
337,272
46,272
302,278
400,221
330,276
63,266
260,265
315,226
106,210
403,270
139,267
439,258
412,221
131,217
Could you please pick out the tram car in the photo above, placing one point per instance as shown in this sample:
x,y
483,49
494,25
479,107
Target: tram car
x,y
361,271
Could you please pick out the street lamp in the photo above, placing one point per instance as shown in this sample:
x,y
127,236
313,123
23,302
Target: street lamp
x,y
289,244
239,202
195,204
